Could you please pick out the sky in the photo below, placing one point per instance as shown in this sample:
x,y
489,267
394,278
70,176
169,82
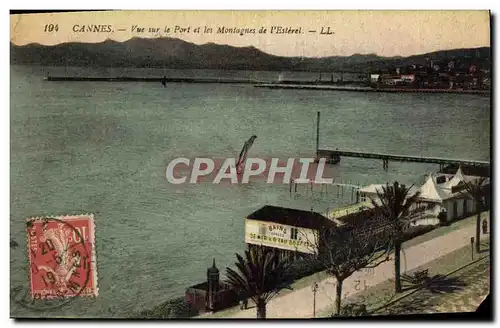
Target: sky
x,y
386,33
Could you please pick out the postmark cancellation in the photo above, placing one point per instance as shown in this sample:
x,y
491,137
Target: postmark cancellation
x,y
62,258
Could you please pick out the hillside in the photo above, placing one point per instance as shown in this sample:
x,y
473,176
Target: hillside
x,y
179,54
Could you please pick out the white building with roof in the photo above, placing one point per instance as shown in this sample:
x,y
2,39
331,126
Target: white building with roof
x,y
443,190
456,203
432,196
437,194
371,192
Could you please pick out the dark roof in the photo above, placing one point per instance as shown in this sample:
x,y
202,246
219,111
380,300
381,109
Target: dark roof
x,y
467,170
290,216
201,285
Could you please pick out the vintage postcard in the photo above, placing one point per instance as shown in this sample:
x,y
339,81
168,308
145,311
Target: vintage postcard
x,y
250,164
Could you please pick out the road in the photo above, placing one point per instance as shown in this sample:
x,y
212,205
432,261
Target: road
x,y
298,303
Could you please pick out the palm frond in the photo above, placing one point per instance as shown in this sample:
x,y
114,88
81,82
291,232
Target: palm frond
x,y
475,190
395,205
260,275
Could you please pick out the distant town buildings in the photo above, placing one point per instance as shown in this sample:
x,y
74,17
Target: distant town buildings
x,y
445,74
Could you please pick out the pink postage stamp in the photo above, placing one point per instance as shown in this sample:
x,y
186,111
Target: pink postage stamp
x,y
61,252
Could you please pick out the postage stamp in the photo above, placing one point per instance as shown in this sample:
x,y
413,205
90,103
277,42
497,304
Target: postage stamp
x,y
61,253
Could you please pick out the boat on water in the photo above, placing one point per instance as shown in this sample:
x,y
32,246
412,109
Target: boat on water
x,y
330,157
333,159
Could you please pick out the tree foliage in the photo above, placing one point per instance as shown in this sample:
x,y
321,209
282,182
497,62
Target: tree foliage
x,y
476,189
345,250
260,275
396,205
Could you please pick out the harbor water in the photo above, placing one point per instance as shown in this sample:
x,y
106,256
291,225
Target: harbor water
x,y
102,148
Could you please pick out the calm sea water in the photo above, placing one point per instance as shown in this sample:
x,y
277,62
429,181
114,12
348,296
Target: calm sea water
x,y
103,148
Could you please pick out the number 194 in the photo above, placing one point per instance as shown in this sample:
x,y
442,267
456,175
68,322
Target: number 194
x,y
51,28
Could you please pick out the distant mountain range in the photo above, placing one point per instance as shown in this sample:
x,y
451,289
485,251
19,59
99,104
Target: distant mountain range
x,y
179,54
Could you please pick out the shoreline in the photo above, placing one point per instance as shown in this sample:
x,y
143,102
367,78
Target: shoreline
x,y
288,84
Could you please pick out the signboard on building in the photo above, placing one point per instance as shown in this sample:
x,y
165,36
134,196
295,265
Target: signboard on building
x,y
408,78
280,236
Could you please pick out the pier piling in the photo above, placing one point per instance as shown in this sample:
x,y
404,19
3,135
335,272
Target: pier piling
x,y
317,135
357,195
385,164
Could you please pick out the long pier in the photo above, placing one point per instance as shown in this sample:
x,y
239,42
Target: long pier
x,y
328,153
333,156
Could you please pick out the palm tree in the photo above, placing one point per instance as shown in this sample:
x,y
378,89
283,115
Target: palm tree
x,y
395,205
475,190
261,275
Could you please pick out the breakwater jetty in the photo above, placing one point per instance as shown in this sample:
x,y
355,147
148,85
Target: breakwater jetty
x,y
190,80
148,79
367,89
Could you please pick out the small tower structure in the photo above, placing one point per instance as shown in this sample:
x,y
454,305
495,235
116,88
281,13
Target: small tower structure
x,y
213,285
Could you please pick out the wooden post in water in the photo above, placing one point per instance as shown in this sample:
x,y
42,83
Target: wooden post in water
x,y
317,136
